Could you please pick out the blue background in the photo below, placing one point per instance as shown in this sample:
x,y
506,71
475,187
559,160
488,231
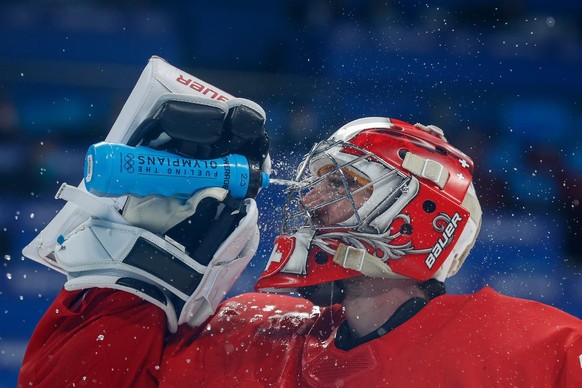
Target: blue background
x,y
502,78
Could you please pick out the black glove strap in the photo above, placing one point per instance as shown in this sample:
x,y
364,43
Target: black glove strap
x,y
203,233
220,229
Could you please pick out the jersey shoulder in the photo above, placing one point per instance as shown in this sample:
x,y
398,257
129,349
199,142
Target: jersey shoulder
x,y
518,309
490,315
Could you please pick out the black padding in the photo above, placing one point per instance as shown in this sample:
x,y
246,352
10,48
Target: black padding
x,y
244,133
147,130
195,123
219,230
245,123
260,147
203,233
205,132
191,232
146,288
149,258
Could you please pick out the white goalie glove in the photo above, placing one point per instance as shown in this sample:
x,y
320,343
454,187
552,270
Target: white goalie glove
x,y
106,254
183,255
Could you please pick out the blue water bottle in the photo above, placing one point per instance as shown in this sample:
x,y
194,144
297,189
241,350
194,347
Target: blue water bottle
x,y
113,170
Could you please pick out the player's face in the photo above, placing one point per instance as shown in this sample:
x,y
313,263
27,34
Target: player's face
x,y
329,203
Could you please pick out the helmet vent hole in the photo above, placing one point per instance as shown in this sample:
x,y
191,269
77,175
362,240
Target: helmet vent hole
x,y
441,150
321,257
402,153
406,229
429,206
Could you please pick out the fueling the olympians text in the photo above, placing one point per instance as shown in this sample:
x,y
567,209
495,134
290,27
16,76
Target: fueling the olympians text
x,y
178,167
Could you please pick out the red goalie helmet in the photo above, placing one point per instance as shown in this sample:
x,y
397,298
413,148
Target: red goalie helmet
x,y
381,198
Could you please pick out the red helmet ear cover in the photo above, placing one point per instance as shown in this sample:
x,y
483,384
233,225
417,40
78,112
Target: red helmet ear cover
x,y
434,243
320,268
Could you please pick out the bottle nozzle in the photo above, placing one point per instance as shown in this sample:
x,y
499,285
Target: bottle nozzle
x,y
264,180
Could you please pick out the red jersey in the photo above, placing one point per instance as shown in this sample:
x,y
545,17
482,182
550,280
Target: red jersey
x,y
483,339
99,338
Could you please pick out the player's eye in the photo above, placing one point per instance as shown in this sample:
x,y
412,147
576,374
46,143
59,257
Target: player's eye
x,y
335,182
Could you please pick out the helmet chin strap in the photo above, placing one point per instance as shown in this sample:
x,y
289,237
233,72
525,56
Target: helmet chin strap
x,y
361,261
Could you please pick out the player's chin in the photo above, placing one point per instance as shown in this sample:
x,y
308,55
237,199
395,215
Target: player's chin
x,y
325,294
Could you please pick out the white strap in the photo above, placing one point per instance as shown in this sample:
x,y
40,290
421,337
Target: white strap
x,y
360,260
104,208
426,168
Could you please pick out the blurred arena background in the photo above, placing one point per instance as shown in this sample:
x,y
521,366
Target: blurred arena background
x,y
502,77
